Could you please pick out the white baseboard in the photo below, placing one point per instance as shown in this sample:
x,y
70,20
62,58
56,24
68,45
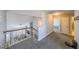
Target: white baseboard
x,y
44,36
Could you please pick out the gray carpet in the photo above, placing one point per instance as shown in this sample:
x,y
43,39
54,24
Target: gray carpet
x,y
53,41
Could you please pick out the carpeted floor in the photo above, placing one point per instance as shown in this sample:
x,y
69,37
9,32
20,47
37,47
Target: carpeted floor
x,y
53,41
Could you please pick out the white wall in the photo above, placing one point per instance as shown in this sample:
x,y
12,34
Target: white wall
x,y
77,31
17,20
42,29
76,13
47,26
2,24
77,27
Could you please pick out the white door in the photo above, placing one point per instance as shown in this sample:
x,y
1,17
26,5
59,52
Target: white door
x,y
65,25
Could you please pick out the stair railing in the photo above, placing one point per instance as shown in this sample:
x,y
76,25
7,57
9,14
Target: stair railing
x,y
16,35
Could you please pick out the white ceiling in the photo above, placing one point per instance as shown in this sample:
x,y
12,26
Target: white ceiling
x,y
38,13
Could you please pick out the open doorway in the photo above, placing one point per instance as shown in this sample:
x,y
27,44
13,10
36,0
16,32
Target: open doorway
x,y
56,24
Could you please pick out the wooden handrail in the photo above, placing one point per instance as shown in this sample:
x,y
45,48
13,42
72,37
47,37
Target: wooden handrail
x,y
15,29
18,29
35,29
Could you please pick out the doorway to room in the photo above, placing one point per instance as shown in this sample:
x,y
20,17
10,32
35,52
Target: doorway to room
x,y
56,24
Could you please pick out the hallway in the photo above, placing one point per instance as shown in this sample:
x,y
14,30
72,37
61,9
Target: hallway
x,y
14,25
52,41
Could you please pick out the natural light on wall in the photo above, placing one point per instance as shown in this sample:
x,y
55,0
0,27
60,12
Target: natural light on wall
x,y
72,25
39,22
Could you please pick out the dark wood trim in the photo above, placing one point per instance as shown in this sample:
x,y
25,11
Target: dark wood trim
x,y
76,18
15,29
18,29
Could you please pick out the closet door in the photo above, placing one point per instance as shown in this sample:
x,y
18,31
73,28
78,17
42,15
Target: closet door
x,y
65,25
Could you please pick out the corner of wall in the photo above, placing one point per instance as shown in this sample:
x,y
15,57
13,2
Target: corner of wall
x,y
44,36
